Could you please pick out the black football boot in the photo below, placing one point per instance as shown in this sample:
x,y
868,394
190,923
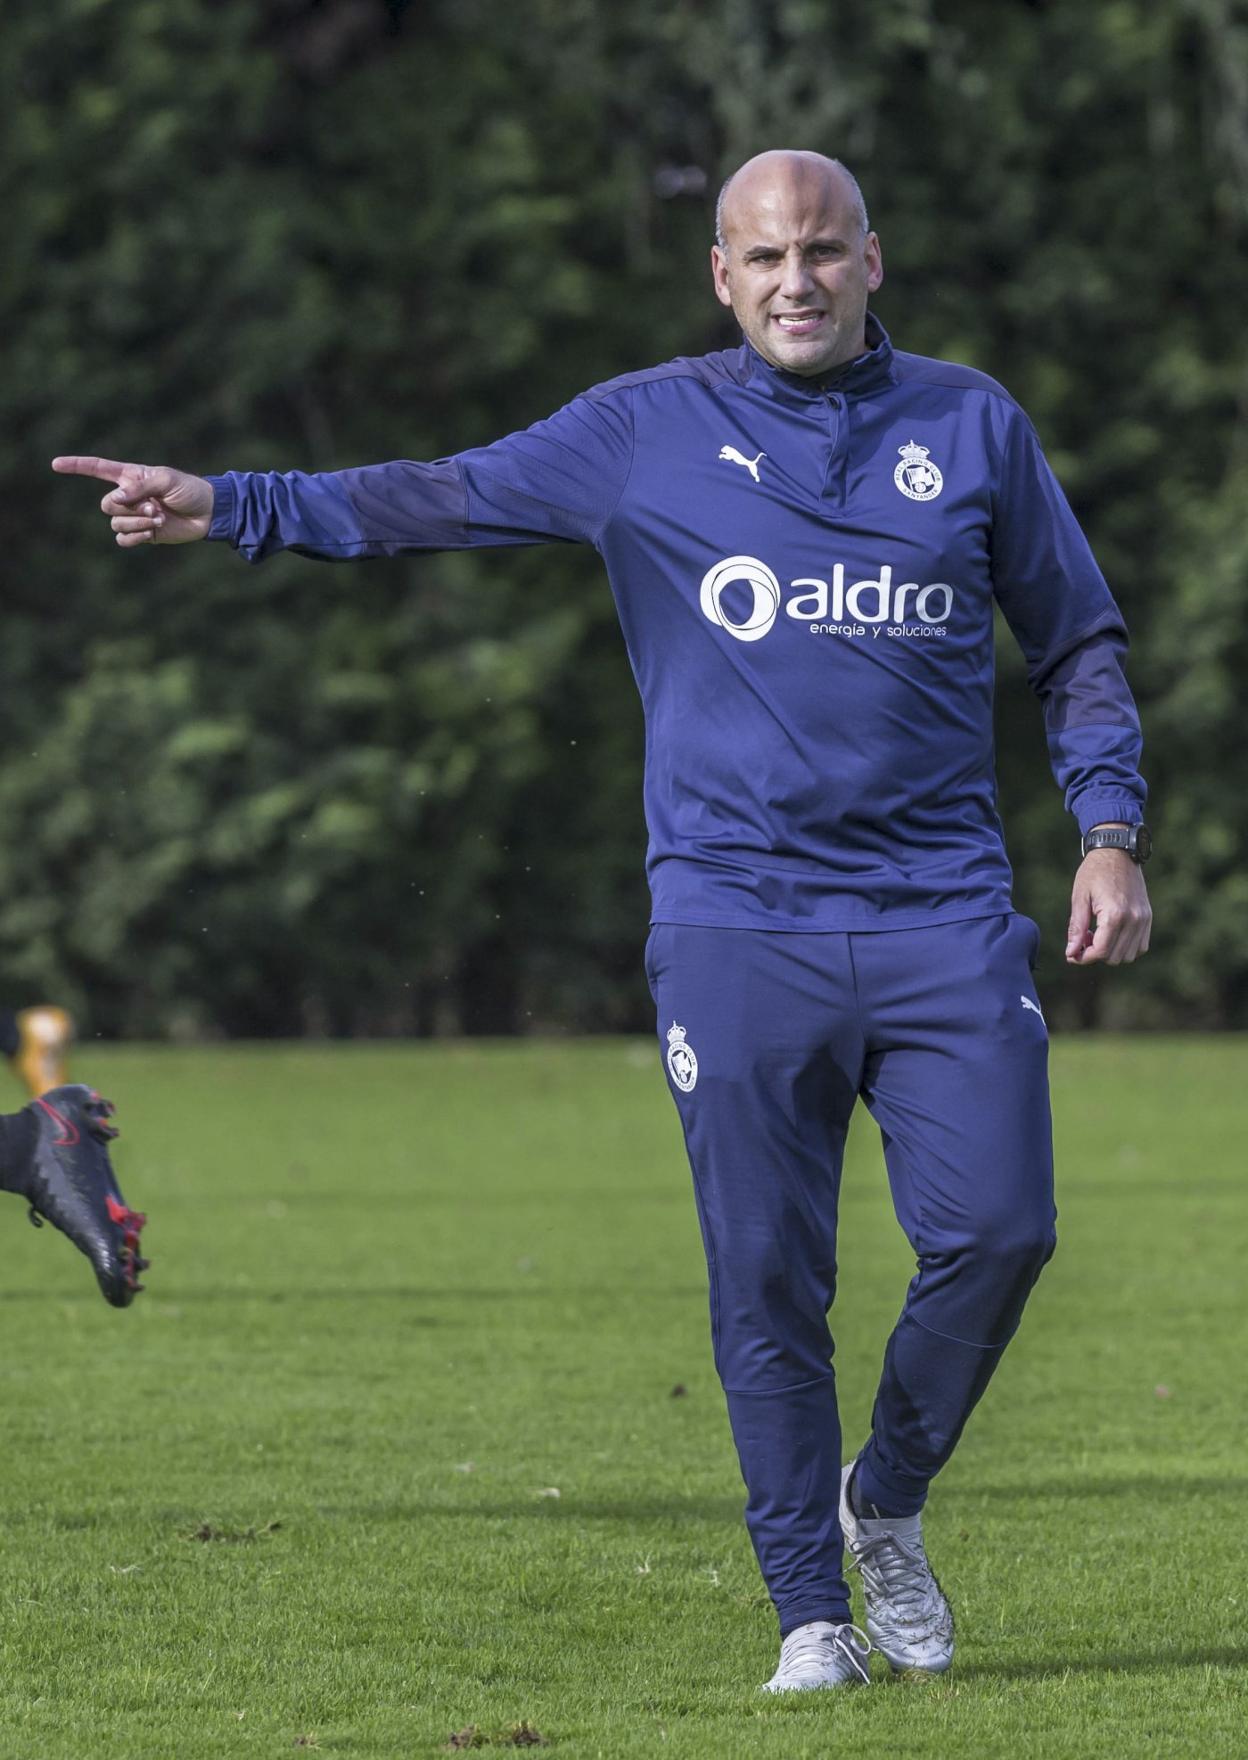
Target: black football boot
x,y
69,1180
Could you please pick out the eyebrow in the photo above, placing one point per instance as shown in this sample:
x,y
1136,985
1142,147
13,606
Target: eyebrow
x,y
772,250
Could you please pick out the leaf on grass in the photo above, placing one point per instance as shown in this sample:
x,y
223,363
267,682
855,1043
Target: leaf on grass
x,y
520,1735
1161,1391
308,1741
549,1491
680,1391
207,1531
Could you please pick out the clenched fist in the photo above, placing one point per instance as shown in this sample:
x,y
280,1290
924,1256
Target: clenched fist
x,y
152,504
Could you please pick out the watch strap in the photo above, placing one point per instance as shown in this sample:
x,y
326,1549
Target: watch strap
x,y
1134,840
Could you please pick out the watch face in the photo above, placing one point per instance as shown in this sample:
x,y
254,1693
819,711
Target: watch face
x,y
1143,843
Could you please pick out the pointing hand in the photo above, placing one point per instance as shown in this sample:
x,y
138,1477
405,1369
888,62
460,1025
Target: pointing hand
x,y
151,504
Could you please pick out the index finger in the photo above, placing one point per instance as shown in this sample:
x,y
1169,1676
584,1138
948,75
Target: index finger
x,y
108,470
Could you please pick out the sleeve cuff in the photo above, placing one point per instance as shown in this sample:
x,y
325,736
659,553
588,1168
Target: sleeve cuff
x,y
1104,809
224,502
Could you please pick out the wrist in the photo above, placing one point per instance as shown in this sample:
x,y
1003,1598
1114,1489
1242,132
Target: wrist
x,y
1133,841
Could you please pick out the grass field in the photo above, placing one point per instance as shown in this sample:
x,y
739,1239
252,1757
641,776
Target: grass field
x,y
391,1446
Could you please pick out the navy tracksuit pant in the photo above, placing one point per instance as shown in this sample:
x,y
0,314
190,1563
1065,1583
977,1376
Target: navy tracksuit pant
x,y
769,1039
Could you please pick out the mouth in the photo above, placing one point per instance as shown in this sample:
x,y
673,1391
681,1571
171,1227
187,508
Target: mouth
x,y
798,323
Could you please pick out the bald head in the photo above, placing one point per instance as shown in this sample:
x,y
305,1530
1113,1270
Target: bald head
x,y
796,166
795,259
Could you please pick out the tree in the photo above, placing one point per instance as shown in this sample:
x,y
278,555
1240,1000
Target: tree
x,y
408,797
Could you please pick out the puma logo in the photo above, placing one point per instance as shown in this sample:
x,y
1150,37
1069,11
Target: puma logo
x,y
730,455
1028,1003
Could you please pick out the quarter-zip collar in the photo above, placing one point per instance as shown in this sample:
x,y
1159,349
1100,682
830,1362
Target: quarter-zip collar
x,y
866,373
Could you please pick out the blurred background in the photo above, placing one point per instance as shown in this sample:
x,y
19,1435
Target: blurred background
x,y
405,798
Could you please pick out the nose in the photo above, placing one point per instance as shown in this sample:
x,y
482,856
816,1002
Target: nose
x,y
796,280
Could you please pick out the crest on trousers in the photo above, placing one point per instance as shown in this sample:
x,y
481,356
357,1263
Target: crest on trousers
x,y
682,1064
916,475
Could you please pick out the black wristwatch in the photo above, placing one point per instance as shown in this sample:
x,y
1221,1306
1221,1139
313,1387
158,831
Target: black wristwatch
x,y
1136,840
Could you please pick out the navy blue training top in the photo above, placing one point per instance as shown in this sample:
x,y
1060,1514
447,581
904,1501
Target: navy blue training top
x,y
805,574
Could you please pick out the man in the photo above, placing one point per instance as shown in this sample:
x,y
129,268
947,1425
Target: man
x,y
805,537
36,1041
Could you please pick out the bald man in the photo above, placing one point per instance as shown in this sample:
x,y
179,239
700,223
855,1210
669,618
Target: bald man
x,y
806,537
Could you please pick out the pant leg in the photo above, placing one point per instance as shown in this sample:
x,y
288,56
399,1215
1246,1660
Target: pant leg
x,y
957,1078
771,1022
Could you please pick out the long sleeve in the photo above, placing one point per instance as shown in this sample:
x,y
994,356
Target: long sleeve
x,y
1071,633
556,481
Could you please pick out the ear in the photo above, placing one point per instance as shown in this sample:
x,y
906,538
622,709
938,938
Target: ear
x,y
875,262
719,271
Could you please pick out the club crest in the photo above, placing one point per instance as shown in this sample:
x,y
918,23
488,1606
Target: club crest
x,y
682,1064
916,476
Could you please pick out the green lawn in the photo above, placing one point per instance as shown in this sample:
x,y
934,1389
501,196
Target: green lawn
x,y
303,1494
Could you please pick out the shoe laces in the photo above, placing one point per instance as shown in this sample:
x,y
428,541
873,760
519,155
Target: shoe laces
x,y
896,1570
809,1644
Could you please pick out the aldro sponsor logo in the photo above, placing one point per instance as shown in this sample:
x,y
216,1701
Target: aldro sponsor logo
x,y
867,608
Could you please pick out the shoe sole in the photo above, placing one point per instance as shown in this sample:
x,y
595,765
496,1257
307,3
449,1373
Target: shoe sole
x,y
130,1222
815,1687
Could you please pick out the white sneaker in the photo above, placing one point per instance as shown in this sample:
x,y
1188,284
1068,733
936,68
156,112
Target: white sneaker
x,y
821,1655
909,1620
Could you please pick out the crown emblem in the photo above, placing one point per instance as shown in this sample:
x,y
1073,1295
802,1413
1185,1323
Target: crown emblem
x,y
916,476
682,1060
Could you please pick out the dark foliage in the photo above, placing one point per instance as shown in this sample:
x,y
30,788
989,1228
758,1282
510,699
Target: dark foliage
x,y
406,797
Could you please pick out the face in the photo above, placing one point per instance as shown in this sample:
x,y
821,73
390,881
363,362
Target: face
x,y
798,268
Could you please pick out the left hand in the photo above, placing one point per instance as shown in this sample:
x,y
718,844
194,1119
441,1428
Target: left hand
x,y
1110,916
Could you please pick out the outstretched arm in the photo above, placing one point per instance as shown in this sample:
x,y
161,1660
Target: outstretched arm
x,y
558,481
151,504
